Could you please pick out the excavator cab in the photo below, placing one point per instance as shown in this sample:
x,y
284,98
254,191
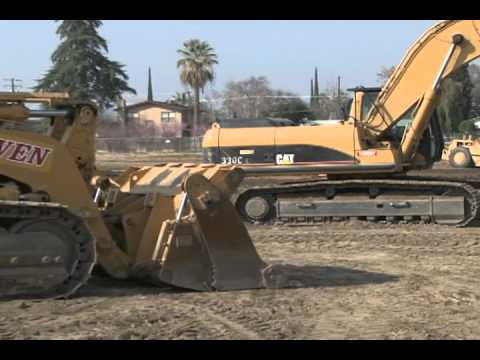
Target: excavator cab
x,y
431,144
363,101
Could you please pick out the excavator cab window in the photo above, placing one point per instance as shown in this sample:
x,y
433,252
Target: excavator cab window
x,y
367,103
367,99
399,129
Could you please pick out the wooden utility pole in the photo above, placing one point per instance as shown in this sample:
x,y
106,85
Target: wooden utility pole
x,y
13,83
338,88
339,100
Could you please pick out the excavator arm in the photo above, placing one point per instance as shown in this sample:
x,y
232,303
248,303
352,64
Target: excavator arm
x,y
413,88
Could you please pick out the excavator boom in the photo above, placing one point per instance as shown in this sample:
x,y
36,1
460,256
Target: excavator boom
x,y
440,51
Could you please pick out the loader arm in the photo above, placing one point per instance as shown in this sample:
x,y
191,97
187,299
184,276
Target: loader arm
x,y
171,223
414,85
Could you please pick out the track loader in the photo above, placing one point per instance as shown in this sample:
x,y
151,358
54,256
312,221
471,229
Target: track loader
x,y
59,216
364,157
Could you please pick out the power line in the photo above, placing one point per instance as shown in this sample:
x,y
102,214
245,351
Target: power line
x,y
245,97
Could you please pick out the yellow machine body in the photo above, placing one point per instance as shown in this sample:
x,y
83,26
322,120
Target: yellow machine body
x,y
335,147
384,130
364,158
169,224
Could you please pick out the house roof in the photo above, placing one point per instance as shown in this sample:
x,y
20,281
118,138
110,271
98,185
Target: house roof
x,y
165,105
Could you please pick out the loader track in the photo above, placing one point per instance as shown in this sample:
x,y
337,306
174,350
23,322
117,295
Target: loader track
x,y
443,189
22,216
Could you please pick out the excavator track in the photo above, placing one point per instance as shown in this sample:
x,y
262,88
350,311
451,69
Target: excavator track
x,y
373,200
45,250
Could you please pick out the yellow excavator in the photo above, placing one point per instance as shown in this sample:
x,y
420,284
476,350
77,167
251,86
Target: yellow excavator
x,y
59,216
365,156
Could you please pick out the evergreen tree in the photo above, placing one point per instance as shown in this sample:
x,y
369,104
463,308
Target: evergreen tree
x,y
292,108
81,68
311,93
467,127
455,100
150,88
314,93
474,72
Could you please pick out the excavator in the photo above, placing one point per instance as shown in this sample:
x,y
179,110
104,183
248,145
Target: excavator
x,y
170,224
364,158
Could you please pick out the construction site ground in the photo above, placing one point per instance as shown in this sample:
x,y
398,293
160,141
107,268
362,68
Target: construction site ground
x,y
336,281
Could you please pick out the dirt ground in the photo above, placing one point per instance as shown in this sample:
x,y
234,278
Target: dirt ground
x,y
347,281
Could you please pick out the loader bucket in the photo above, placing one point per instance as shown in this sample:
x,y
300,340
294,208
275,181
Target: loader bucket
x,y
185,261
180,259
205,247
210,249
235,261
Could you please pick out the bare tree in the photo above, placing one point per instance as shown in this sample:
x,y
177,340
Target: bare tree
x,y
254,98
384,74
247,98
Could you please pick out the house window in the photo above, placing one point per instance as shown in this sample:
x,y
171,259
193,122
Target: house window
x,y
168,116
132,116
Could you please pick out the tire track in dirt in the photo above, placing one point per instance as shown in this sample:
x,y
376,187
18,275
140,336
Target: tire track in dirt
x,y
57,315
207,317
258,314
245,333
6,332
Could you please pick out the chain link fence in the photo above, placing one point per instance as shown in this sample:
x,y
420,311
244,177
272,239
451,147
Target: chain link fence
x,y
150,144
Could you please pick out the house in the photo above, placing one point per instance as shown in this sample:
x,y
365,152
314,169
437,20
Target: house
x,y
157,118
163,118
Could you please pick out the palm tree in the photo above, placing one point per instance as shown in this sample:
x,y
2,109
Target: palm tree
x,y
196,64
